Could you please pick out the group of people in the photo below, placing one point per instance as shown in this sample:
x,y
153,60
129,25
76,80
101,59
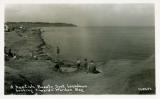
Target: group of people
x,y
9,54
85,65
89,67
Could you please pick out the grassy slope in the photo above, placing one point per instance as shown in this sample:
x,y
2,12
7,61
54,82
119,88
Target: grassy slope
x,y
25,46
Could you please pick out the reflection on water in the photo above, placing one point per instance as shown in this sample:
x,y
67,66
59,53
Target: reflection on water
x,y
101,43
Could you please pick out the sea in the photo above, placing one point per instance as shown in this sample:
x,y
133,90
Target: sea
x,y
101,43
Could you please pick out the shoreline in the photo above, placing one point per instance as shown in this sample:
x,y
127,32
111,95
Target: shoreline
x,y
43,46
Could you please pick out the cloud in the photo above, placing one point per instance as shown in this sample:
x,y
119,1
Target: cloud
x,y
84,15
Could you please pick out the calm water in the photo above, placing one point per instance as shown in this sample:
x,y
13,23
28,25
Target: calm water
x,y
101,43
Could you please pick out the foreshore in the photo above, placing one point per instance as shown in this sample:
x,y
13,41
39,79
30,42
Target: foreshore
x,y
31,62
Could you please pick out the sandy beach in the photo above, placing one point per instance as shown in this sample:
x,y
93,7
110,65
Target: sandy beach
x,y
34,65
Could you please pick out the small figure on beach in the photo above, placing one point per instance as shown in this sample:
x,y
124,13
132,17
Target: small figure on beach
x,y
6,50
57,51
78,64
6,54
85,64
10,53
58,66
92,67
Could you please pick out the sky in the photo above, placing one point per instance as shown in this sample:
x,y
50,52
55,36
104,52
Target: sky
x,y
83,14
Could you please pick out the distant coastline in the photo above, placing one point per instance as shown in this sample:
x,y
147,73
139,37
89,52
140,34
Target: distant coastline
x,y
40,24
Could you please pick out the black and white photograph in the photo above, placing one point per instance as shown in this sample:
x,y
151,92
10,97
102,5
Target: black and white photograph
x,y
79,49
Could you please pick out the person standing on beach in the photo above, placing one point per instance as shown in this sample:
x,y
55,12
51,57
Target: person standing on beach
x,y
58,50
85,64
10,53
78,63
57,66
92,67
